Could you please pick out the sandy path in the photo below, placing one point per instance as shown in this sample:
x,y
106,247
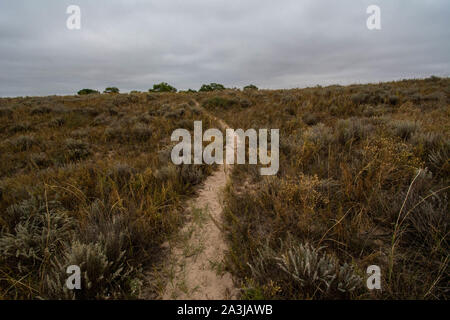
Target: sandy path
x,y
198,252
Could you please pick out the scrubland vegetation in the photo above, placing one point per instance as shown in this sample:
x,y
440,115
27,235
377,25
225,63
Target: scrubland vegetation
x,y
87,180
363,180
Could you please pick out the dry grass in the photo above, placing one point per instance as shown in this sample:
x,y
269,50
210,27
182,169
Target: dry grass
x,y
364,179
81,183
364,175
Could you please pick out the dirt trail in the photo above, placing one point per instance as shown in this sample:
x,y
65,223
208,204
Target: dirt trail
x,y
196,263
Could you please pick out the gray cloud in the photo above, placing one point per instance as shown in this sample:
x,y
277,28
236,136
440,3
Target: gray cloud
x,y
273,44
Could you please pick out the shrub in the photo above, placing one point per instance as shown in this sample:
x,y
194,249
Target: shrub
x,y
88,111
251,87
163,87
302,271
166,173
427,220
141,132
109,251
245,103
404,129
87,91
57,122
192,174
433,79
114,133
101,119
393,100
100,277
121,174
40,159
369,111
435,96
20,127
426,140
77,149
37,228
439,159
80,133
23,143
319,134
288,99
352,129
120,100
196,110
219,102
359,98
211,87
310,119
174,113
40,110
111,90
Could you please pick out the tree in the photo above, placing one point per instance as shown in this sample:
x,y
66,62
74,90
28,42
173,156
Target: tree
x,y
87,91
211,87
111,90
163,87
251,87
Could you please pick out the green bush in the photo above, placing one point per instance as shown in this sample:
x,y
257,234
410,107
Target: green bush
x,y
37,229
304,272
251,87
87,91
163,87
211,87
111,90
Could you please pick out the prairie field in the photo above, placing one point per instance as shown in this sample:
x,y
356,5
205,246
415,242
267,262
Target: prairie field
x,y
364,179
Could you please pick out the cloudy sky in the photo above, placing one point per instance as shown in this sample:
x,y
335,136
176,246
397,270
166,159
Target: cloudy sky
x,y
132,44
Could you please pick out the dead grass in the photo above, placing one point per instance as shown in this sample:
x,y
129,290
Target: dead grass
x,y
364,179
366,187
84,189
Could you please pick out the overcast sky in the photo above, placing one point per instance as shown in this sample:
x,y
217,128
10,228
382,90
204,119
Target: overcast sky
x,y
273,44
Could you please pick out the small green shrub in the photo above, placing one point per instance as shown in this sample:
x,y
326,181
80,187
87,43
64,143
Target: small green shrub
x,y
211,87
111,90
87,91
163,87
251,87
37,229
302,271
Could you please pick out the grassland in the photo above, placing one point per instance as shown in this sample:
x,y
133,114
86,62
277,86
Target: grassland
x,y
86,180
363,180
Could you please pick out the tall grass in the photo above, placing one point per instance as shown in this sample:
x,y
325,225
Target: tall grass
x,y
88,192
365,188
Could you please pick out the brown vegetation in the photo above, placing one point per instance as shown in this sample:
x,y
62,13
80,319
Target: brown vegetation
x,y
364,179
